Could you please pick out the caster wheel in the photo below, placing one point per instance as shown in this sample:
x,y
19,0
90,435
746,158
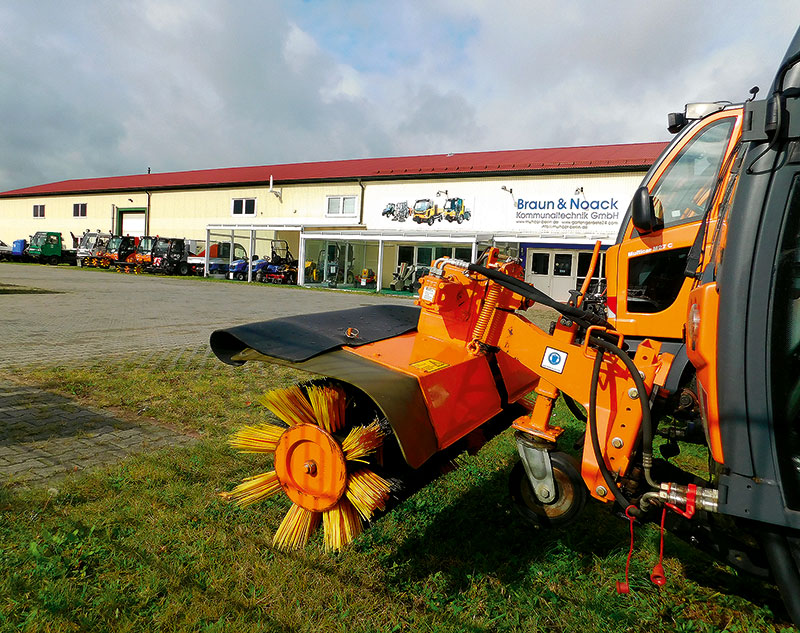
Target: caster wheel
x,y
571,493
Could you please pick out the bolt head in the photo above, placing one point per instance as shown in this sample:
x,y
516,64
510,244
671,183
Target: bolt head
x,y
600,490
633,393
617,442
310,467
543,492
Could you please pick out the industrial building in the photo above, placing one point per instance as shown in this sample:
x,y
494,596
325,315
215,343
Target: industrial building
x,y
354,223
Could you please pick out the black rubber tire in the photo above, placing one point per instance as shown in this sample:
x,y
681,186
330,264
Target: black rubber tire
x,y
53,260
430,221
183,269
571,493
240,276
460,219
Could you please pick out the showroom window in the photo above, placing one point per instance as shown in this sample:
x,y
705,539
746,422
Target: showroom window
x,y
341,206
424,255
341,264
38,210
243,206
79,210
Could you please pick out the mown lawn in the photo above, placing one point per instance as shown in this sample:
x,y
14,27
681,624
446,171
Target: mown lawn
x,y
148,545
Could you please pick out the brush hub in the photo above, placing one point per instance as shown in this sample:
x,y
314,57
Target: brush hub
x,y
311,467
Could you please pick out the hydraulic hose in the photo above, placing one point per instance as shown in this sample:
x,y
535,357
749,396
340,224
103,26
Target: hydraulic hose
x,y
622,500
641,389
586,319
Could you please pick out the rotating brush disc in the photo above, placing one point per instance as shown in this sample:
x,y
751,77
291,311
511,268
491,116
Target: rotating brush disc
x,y
320,464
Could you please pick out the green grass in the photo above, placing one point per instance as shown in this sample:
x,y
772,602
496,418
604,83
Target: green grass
x,y
148,544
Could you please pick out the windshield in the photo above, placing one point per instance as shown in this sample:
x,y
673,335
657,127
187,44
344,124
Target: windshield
x,y
145,245
88,240
38,239
422,205
113,244
161,248
684,190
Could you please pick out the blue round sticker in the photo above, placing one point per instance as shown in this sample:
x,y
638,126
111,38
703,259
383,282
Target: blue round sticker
x,y
554,358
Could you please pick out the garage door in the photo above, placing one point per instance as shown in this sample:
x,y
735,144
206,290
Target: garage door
x,y
133,224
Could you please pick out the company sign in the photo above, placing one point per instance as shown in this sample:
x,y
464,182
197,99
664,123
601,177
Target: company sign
x,y
539,208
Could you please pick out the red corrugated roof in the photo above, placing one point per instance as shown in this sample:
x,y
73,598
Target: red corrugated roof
x,y
562,159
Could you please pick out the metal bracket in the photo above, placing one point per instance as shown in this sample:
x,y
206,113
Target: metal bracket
x,y
535,456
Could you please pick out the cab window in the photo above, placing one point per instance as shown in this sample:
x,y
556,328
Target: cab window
x,y
653,284
684,190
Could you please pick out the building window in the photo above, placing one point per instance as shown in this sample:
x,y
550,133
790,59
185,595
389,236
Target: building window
x,y
342,206
243,206
38,210
79,210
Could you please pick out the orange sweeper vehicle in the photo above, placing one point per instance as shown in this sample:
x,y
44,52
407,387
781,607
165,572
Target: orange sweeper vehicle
x,y
697,340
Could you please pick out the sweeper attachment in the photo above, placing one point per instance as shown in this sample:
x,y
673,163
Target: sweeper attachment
x,y
444,378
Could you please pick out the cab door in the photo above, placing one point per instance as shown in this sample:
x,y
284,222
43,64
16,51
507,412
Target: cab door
x,y
647,289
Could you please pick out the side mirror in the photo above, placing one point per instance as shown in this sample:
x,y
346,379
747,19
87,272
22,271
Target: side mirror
x,y
643,214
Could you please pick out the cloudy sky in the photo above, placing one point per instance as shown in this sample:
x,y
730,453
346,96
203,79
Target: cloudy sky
x,y
112,87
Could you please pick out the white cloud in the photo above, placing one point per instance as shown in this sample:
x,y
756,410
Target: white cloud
x,y
94,89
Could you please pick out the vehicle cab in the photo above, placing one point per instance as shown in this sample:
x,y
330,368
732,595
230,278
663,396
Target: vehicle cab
x,y
648,290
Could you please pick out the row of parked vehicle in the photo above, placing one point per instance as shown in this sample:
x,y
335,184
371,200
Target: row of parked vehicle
x,y
180,256
153,254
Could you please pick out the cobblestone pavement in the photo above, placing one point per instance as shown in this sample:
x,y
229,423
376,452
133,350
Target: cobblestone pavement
x,y
96,314
44,436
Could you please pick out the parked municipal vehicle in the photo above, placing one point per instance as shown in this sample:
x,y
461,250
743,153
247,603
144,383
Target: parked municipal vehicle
x,y
170,255
92,242
219,258
117,249
47,247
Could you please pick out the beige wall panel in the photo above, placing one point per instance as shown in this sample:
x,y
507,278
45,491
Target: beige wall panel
x,y
183,213
17,221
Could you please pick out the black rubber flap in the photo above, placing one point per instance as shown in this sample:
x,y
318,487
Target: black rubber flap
x,y
304,336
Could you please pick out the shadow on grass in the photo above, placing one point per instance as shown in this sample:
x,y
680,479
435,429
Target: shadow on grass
x,y
479,534
11,289
32,415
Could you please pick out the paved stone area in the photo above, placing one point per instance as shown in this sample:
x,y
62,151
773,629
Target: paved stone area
x,y
44,436
96,314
